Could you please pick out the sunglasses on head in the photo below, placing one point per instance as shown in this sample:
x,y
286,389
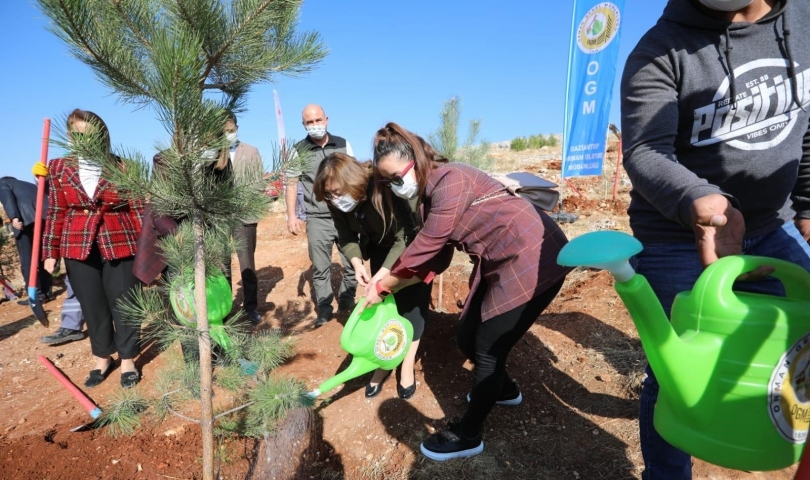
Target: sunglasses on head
x,y
397,179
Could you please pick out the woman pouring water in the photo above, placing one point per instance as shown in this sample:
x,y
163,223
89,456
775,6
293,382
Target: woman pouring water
x,y
513,247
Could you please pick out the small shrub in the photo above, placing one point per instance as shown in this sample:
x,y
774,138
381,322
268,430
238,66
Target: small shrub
x,y
533,142
519,144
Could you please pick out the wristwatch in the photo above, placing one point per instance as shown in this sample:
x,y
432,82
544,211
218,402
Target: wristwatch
x,y
381,291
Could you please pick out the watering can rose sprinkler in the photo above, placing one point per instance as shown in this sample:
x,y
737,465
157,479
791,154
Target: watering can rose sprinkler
x,y
376,337
734,367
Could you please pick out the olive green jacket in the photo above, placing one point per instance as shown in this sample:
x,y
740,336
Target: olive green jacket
x,y
362,230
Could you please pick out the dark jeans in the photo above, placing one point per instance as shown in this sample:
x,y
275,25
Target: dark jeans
x,y
25,248
246,235
487,344
671,268
413,302
99,285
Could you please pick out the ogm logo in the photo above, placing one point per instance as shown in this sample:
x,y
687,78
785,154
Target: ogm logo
x,y
789,393
391,341
598,27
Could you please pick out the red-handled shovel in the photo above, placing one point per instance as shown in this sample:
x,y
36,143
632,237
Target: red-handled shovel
x,y
33,299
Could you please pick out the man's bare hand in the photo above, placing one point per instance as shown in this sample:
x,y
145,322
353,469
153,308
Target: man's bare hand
x,y
719,228
294,225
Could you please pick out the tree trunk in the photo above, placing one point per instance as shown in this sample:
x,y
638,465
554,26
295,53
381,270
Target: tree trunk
x,y
206,380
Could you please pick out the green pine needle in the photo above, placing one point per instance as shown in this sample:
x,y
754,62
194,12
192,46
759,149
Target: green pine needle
x,y
123,415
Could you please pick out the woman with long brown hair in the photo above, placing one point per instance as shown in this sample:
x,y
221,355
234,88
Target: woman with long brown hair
x,y
513,247
95,230
365,234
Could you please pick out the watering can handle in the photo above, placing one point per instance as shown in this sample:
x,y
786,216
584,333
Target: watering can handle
x,y
719,277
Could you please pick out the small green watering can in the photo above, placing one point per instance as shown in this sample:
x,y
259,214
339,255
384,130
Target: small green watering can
x,y
376,337
734,367
219,300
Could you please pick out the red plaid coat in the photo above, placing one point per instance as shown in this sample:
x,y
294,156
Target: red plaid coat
x,y
514,246
75,220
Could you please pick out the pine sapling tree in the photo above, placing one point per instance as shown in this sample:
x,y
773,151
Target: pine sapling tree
x,y
445,140
191,62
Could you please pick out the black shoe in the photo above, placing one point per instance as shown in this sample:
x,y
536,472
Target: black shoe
x,y
63,335
254,317
323,319
23,302
347,304
373,391
451,443
97,376
510,398
407,392
129,379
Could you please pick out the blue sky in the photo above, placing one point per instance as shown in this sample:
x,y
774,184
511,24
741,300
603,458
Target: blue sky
x,y
388,61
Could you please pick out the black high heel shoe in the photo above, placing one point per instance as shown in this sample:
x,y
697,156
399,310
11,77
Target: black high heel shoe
x,y
373,391
407,392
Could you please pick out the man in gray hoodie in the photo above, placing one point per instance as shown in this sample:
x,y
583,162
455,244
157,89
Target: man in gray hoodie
x,y
715,102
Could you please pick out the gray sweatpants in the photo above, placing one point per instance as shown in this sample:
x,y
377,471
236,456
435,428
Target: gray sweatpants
x,y
322,238
72,317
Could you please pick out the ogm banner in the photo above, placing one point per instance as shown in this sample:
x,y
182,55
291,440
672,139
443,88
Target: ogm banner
x,y
591,71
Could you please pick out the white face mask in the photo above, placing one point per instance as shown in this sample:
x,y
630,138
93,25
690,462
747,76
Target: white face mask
x,y
316,131
209,154
345,203
231,137
409,187
726,5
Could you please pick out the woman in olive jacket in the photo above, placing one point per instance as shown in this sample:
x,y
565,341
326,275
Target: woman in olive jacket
x,y
364,234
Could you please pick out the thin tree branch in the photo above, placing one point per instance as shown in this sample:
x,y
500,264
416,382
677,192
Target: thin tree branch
x,y
175,412
233,410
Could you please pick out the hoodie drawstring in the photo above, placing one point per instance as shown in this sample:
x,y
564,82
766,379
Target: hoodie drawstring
x,y
794,87
732,78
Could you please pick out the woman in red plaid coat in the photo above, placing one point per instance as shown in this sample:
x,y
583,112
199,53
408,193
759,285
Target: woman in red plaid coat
x,y
95,230
513,247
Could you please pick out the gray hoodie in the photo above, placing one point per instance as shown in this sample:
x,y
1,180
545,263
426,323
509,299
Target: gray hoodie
x,y
684,138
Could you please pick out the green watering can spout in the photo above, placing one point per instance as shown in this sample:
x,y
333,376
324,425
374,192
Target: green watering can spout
x,y
611,251
376,337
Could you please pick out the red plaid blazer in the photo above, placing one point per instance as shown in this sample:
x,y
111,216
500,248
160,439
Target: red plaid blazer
x,y
513,245
75,220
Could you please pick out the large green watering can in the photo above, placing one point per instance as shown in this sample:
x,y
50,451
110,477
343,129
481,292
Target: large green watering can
x,y
376,337
734,367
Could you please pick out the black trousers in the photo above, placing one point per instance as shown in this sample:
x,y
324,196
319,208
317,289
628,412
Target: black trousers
x,y
25,248
413,302
246,235
487,344
99,285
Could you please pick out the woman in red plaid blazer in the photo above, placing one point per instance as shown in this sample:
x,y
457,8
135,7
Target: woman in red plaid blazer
x,y
514,249
95,230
